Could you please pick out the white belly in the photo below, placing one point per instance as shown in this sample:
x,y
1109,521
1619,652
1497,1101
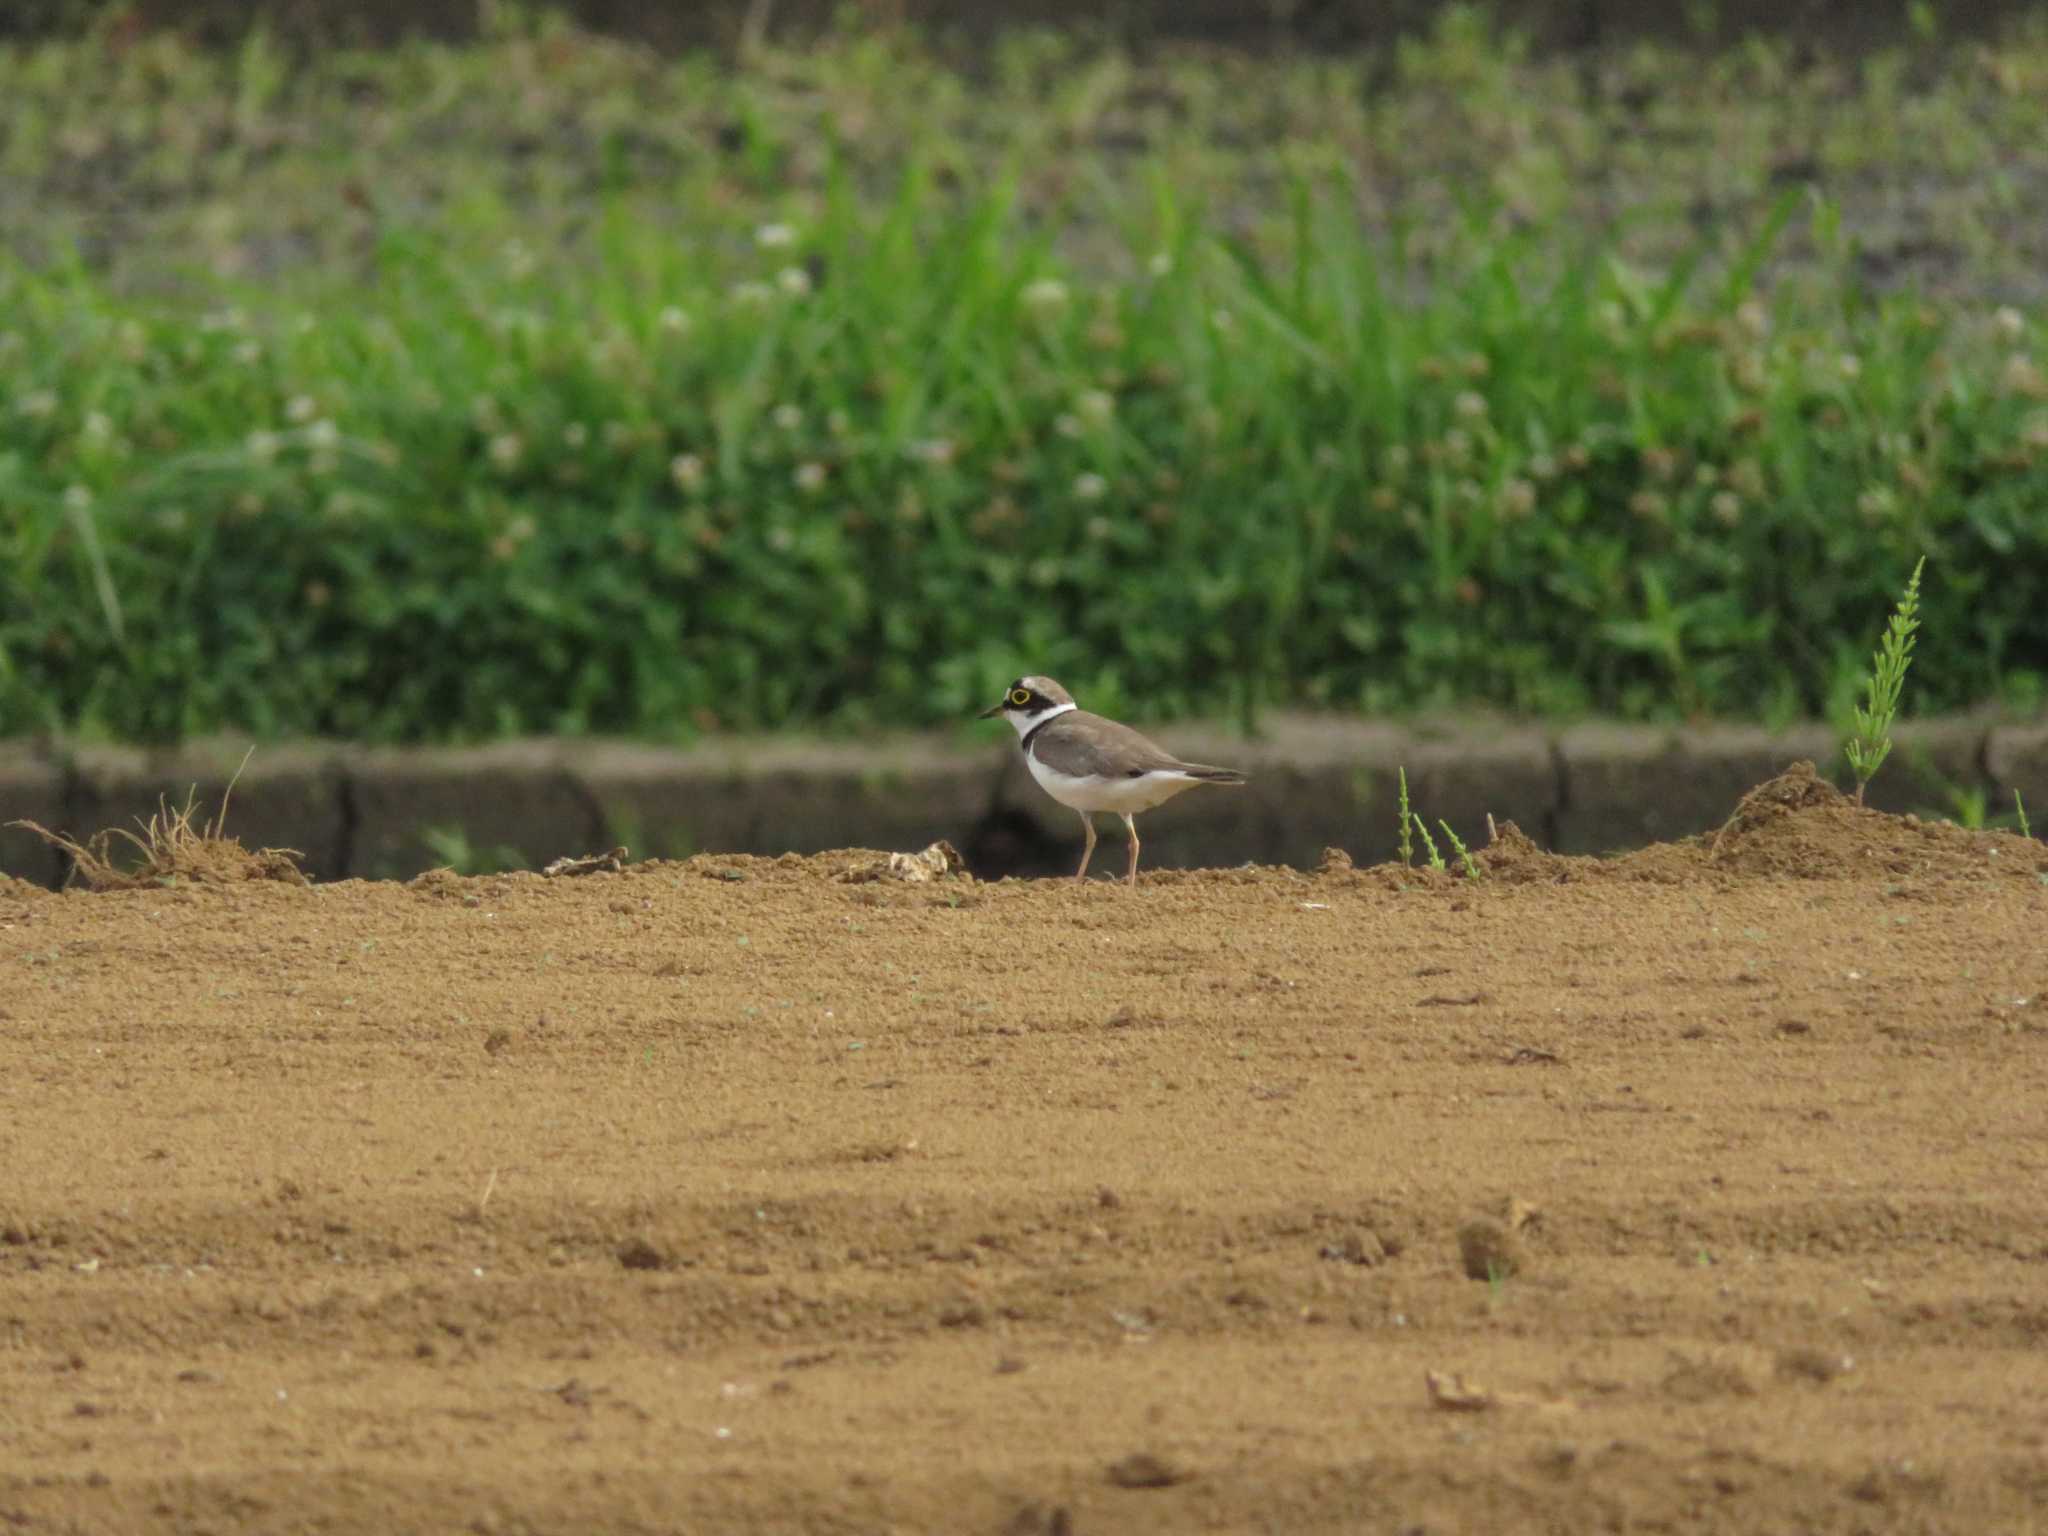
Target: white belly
x,y
1124,796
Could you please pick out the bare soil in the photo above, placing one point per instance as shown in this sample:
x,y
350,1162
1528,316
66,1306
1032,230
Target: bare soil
x,y
738,1194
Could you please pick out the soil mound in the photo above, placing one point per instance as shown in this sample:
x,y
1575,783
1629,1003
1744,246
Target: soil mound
x,y
1800,826
1795,826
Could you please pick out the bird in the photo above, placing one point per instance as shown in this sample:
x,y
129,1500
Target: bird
x,y
1090,764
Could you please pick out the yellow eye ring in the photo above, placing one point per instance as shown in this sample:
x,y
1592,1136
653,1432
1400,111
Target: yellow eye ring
x,y
1020,696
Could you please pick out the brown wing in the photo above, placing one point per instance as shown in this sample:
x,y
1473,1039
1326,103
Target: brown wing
x,y
1089,752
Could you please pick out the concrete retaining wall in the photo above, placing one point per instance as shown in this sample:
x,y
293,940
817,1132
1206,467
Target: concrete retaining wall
x,y
1317,781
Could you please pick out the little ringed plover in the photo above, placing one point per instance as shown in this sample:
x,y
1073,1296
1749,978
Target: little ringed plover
x,y
1092,764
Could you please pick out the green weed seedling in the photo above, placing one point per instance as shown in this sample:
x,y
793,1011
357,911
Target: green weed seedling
x,y
1436,860
1471,865
1413,826
1407,822
2020,807
1872,743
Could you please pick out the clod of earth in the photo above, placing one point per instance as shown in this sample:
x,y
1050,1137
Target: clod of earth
x,y
1488,1250
1143,1469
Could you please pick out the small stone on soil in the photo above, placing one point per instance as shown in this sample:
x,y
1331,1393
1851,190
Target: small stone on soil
x,y
1142,1469
638,1253
1489,1251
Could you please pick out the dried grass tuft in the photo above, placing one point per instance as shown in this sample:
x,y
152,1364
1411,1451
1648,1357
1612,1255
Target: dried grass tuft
x,y
175,849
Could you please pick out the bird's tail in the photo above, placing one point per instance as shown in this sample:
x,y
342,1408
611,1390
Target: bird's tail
x,y
1209,775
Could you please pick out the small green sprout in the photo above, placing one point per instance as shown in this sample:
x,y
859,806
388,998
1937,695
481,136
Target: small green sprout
x,y
1872,742
1472,869
1407,820
1436,860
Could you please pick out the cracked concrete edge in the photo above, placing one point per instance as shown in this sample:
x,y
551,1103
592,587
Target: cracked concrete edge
x,y
1316,781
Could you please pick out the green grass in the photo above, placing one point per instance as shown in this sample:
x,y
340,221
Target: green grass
x,y
1408,821
546,386
1466,862
1872,743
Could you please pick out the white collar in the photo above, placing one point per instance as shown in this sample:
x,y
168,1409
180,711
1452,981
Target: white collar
x,y
1026,724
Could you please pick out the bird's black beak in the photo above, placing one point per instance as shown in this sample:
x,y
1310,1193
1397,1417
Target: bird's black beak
x,y
990,713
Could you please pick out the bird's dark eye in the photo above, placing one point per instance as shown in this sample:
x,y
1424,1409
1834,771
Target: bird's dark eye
x,y
1020,696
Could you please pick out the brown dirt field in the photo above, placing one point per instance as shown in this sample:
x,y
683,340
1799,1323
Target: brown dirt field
x,y
730,1194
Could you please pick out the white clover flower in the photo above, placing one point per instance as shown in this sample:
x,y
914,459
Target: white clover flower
x,y
301,408
324,435
1727,507
809,477
1096,406
788,417
751,293
1753,317
261,446
673,320
774,237
1067,424
1090,487
505,450
97,427
2010,322
1470,404
1518,498
1045,295
2021,376
248,353
1161,264
575,435
77,498
794,281
1850,364
687,470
